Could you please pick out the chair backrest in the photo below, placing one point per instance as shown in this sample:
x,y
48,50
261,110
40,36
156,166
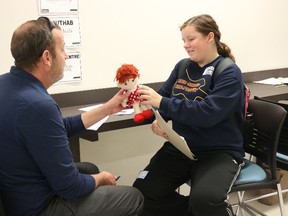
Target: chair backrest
x,y
283,139
261,132
282,161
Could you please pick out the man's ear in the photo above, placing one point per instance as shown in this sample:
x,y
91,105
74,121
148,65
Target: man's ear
x,y
47,58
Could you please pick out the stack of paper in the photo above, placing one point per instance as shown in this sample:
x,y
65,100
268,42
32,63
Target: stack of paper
x,y
273,81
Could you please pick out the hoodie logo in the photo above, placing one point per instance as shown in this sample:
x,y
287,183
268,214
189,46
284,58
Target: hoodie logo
x,y
209,71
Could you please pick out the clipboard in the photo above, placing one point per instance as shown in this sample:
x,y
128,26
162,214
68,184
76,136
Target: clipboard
x,y
173,137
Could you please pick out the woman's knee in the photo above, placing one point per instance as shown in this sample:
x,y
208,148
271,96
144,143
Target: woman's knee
x,y
206,203
150,189
142,186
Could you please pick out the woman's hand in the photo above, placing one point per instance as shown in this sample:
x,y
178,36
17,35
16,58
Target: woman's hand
x,y
149,96
157,130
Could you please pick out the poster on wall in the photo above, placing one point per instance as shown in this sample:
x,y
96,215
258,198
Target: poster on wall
x,y
72,70
49,7
71,29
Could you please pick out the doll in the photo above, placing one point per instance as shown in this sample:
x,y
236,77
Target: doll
x,y
127,78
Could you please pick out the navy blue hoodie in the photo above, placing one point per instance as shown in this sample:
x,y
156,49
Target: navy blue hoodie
x,y
209,118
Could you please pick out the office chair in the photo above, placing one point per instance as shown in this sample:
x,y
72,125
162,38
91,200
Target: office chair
x,y
261,134
282,150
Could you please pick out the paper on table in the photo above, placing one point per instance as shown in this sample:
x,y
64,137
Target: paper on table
x,y
122,112
125,112
97,124
174,138
273,81
90,107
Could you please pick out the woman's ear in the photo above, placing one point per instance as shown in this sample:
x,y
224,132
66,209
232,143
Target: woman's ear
x,y
210,36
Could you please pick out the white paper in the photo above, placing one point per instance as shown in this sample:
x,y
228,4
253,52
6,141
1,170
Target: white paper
x,y
85,109
122,112
102,121
125,112
72,70
97,124
70,27
175,139
273,81
58,7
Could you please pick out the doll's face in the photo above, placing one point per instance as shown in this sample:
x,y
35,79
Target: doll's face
x,y
130,84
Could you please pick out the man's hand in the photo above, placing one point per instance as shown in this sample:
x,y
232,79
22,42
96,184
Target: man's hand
x,y
104,178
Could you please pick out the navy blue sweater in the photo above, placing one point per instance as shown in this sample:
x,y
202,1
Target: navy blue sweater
x,y
208,119
35,160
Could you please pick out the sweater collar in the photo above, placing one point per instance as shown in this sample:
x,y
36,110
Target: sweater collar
x,y
26,75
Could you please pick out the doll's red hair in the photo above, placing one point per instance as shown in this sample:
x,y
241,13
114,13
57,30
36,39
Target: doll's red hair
x,y
125,72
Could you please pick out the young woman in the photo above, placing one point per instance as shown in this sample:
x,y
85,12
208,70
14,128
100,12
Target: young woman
x,y
209,116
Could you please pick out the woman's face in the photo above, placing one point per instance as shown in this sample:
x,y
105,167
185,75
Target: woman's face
x,y
195,43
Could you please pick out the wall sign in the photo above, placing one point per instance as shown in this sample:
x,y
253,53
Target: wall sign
x,y
48,7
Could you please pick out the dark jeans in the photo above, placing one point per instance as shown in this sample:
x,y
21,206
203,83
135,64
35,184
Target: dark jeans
x,y
212,176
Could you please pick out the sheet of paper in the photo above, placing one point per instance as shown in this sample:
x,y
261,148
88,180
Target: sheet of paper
x,y
174,138
125,112
122,112
273,81
85,109
99,123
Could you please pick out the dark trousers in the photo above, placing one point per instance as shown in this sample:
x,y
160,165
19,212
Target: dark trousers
x,y
104,201
211,176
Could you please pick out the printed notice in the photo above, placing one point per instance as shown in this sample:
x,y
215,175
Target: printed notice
x,y
47,7
174,138
71,29
72,70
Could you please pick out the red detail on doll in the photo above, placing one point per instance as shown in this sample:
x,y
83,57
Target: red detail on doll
x,y
133,97
127,78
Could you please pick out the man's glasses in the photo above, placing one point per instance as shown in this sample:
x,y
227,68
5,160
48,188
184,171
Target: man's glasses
x,y
47,22
51,25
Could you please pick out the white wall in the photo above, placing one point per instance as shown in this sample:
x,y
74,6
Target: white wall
x,y
146,33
